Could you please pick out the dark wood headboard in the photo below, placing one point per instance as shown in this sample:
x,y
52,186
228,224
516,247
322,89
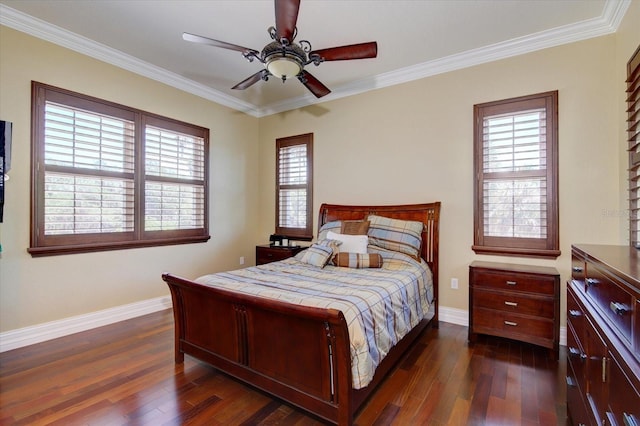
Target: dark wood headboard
x,y
429,214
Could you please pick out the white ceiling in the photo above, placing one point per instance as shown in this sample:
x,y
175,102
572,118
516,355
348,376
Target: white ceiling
x,y
415,38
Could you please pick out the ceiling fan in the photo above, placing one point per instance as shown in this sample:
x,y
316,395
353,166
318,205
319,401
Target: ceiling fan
x,y
283,58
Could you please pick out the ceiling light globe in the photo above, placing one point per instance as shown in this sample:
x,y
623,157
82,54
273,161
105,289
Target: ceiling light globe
x,y
283,67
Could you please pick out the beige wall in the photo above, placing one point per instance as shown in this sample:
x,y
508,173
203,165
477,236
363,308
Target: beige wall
x,y
403,144
37,290
413,143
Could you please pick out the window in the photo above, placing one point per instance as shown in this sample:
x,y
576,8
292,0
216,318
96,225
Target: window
x,y
294,184
105,176
633,132
516,176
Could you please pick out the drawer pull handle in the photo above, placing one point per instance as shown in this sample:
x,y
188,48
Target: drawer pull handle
x,y
511,283
592,281
574,313
577,269
629,419
514,304
575,352
570,382
511,323
618,308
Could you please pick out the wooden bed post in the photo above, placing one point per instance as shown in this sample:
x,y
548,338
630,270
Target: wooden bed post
x,y
178,319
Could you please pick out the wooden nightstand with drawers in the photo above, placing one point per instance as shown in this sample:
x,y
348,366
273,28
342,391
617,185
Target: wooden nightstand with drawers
x,y
267,253
520,302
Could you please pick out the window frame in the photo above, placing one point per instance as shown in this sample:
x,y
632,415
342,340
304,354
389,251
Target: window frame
x,y
47,245
633,139
513,246
303,234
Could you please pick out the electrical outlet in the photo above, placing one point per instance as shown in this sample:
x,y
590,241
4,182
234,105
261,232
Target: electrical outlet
x,y
242,260
454,283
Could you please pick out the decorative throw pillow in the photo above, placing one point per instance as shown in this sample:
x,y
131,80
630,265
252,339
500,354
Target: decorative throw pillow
x,y
334,226
358,260
350,243
333,244
316,255
354,227
404,236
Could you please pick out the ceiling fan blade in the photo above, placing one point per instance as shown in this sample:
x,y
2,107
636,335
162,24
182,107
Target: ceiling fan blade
x,y
344,53
217,43
286,18
313,84
250,80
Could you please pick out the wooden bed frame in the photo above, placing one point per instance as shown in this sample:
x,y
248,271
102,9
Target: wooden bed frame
x,y
296,353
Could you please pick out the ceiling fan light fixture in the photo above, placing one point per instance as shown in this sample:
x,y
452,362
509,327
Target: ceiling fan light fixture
x,y
283,61
284,67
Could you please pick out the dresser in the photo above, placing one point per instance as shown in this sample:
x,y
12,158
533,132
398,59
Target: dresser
x,y
267,253
520,302
603,336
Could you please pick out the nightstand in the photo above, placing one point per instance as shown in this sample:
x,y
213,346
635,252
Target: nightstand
x,y
520,302
267,253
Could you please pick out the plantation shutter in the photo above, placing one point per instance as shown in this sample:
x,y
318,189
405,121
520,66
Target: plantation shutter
x,y
514,169
294,184
516,176
110,177
633,131
175,180
88,178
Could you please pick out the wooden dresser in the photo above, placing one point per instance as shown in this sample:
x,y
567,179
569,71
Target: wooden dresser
x,y
603,336
520,302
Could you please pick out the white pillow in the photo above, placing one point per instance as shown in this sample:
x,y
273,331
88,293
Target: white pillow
x,y
350,243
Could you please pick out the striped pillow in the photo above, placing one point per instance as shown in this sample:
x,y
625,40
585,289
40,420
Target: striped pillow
x,y
316,255
358,260
334,226
404,236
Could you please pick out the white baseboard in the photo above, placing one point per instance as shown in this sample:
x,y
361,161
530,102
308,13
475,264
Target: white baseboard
x,y
18,338
51,330
453,315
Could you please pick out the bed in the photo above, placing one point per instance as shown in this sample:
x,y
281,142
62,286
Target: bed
x,y
301,354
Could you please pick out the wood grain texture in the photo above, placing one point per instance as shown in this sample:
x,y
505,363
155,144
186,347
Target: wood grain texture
x,y
124,374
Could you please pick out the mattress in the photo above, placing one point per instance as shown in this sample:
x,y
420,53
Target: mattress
x,y
380,305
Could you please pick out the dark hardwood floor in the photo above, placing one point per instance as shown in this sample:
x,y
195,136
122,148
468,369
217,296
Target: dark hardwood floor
x,y
124,374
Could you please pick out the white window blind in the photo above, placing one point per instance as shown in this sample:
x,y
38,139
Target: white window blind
x,y
292,175
110,177
633,132
514,169
516,176
88,179
174,187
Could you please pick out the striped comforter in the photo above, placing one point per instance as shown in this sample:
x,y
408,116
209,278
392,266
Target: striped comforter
x,y
379,305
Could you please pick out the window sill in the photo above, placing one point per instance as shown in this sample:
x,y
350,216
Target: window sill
x,y
517,252
90,248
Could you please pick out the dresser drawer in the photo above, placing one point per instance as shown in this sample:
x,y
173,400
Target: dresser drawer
x,y
577,357
625,406
515,303
578,268
268,254
575,313
506,324
612,300
514,282
576,407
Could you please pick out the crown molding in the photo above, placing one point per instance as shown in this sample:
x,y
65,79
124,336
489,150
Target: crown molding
x,y
607,23
41,29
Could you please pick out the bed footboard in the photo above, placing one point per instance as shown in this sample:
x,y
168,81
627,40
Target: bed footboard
x,y
293,352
